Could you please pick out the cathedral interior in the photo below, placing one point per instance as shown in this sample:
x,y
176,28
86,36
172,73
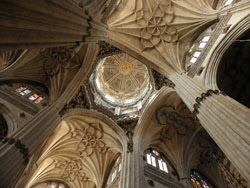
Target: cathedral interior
x,y
125,94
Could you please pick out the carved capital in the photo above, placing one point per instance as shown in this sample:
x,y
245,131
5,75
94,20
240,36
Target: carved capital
x,y
18,145
198,100
80,100
106,49
128,125
161,81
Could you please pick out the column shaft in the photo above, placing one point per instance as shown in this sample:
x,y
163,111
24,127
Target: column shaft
x,y
132,175
43,23
226,120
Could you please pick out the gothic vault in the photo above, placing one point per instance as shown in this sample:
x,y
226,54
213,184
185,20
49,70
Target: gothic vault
x,y
124,94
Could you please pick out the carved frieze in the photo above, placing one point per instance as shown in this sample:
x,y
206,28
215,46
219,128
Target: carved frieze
x,y
128,125
161,81
19,146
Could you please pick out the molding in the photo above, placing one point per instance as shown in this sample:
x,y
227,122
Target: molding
x,y
19,102
218,30
198,100
18,145
161,177
210,74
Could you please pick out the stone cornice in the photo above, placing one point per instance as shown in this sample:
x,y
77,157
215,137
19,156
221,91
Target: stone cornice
x,y
160,177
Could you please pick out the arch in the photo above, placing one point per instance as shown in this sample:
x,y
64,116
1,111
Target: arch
x,y
210,75
150,108
175,138
114,171
86,142
9,118
233,74
9,57
175,173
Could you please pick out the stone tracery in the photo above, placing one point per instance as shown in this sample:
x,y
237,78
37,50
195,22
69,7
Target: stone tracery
x,y
90,140
80,144
160,33
71,170
162,27
156,25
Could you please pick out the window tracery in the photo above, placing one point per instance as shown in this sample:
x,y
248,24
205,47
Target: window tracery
x,y
51,184
227,2
155,159
115,173
31,94
199,46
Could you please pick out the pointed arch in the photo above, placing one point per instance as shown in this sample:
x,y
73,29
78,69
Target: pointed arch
x,y
85,144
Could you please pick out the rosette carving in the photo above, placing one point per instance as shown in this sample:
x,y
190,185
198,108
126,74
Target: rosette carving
x,y
59,58
71,170
90,140
173,121
156,25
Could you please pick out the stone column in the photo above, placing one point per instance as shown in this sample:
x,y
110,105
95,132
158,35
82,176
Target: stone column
x,y
39,24
13,159
132,174
226,120
185,178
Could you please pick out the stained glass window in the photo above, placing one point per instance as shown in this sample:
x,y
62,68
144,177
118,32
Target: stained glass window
x,y
39,100
197,54
155,159
202,43
113,176
199,181
23,91
33,97
206,39
193,60
228,2
30,94
51,184
115,172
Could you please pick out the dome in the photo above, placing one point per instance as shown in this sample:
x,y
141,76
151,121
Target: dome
x,y
122,81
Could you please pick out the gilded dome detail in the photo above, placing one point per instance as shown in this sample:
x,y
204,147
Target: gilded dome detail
x,y
122,81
